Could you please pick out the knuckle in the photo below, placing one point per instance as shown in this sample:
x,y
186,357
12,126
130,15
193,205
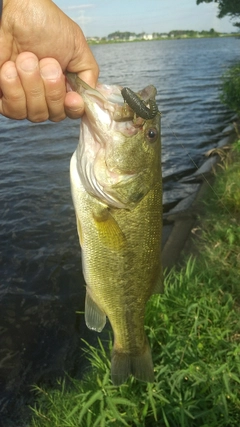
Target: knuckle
x,y
14,108
55,96
15,115
57,118
38,117
35,93
15,97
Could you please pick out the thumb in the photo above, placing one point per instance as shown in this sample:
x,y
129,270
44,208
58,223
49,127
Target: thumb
x,y
83,62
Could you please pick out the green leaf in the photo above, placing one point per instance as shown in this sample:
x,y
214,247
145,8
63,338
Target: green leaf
x,y
96,396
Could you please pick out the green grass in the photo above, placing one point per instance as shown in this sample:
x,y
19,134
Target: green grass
x,y
194,332
230,90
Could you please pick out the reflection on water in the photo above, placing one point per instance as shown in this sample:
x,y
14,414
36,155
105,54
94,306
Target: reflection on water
x,y
41,283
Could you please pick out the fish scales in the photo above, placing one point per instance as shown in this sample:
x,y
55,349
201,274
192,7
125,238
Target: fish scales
x,y
119,224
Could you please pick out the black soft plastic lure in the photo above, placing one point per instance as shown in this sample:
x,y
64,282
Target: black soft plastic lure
x,y
138,105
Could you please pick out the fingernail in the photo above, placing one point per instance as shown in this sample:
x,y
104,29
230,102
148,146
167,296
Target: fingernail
x,y
50,72
11,72
29,65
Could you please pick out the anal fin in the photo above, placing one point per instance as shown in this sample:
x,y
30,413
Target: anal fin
x,y
95,318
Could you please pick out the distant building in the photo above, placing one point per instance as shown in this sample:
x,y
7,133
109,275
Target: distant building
x,y
93,39
147,36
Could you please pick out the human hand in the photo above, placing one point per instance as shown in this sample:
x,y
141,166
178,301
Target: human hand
x,y
36,90
36,46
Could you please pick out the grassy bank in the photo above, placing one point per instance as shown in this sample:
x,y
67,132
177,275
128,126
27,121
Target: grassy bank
x,y
194,332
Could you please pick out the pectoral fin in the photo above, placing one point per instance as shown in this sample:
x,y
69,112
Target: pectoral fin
x,y
109,231
95,318
79,229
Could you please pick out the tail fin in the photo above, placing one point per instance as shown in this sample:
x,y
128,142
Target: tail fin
x,y
125,364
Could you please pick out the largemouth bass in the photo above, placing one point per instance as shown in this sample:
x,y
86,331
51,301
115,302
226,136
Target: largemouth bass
x,y
116,188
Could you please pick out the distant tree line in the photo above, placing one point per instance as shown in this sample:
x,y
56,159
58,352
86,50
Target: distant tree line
x,y
191,33
126,35
123,35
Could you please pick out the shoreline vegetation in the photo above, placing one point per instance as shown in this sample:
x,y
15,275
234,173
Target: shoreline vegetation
x,y
193,329
127,36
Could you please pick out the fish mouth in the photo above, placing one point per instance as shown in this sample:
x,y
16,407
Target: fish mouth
x,y
110,102
121,102
107,96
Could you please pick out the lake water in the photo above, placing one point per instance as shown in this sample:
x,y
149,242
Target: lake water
x,y
41,285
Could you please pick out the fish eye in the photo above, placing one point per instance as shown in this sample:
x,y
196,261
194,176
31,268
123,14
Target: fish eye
x,y
152,134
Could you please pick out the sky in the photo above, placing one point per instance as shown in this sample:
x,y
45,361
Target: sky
x,y
102,17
